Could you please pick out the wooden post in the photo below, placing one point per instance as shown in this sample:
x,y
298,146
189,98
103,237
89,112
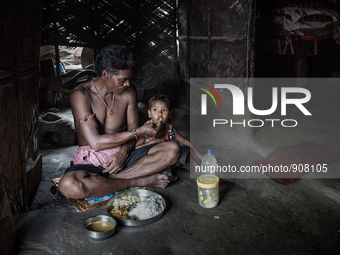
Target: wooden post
x,y
209,40
60,89
7,229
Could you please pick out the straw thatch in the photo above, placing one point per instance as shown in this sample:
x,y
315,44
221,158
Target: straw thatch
x,y
147,26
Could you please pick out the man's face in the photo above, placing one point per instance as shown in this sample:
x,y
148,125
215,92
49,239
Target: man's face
x,y
159,112
121,81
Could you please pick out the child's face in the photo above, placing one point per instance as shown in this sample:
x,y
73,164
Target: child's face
x,y
159,112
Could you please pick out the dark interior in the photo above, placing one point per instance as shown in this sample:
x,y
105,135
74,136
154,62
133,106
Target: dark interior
x,y
174,41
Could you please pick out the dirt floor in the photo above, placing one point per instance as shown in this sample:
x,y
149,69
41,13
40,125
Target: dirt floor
x,y
254,215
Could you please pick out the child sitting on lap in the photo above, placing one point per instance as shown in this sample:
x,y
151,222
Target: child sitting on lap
x,y
159,113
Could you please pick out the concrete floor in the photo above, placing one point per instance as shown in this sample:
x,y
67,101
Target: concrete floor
x,y
254,216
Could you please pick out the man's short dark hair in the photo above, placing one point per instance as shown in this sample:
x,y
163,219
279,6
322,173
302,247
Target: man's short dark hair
x,y
114,58
162,98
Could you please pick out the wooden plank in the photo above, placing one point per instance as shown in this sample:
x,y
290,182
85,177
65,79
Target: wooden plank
x,y
251,40
215,30
213,38
34,175
19,92
7,228
11,73
6,73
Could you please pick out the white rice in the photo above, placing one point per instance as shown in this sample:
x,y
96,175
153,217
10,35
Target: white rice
x,y
148,208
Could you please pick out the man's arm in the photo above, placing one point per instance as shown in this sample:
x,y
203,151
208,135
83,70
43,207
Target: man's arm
x,y
139,142
116,161
88,131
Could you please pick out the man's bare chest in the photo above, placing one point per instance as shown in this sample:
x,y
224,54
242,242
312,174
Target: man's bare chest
x,y
111,120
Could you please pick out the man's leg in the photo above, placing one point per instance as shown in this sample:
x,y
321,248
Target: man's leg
x,y
82,184
158,158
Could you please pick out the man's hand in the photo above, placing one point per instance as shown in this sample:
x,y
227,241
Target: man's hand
x,y
115,163
149,129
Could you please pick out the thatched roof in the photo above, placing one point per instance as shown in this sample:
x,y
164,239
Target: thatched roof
x,y
97,23
148,26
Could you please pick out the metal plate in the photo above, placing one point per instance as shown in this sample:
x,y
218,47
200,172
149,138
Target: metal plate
x,y
143,194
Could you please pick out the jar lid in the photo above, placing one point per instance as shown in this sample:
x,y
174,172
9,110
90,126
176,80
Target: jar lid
x,y
208,181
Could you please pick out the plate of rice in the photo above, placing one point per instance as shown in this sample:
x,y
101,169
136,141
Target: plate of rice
x,y
136,207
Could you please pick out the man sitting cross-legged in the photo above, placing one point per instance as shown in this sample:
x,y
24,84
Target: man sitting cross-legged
x,y
106,119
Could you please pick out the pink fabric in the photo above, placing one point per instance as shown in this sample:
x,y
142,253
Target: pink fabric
x,y
85,155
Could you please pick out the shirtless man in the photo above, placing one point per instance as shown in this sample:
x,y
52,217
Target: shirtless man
x,y
106,119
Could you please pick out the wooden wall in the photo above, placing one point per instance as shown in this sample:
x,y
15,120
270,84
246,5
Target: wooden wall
x,y
20,161
215,39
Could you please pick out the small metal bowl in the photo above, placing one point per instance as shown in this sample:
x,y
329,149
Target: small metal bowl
x,y
99,233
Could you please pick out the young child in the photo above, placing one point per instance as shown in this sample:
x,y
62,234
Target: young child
x,y
159,113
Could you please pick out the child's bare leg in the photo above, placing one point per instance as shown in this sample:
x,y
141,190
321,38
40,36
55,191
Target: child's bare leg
x,y
191,160
199,155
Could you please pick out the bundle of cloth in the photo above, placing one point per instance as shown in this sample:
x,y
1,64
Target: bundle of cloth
x,y
310,20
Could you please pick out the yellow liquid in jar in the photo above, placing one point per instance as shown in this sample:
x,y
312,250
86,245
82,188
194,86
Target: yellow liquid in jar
x,y
100,226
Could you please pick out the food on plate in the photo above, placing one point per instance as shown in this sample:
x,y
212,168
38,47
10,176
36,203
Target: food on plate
x,y
132,208
148,208
119,213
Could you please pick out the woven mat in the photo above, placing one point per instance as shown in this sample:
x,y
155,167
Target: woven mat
x,y
84,205
310,154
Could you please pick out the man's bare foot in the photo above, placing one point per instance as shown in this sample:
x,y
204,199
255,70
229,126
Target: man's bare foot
x,y
152,181
155,181
171,180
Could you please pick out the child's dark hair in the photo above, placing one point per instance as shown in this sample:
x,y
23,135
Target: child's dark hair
x,y
114,58
162,98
